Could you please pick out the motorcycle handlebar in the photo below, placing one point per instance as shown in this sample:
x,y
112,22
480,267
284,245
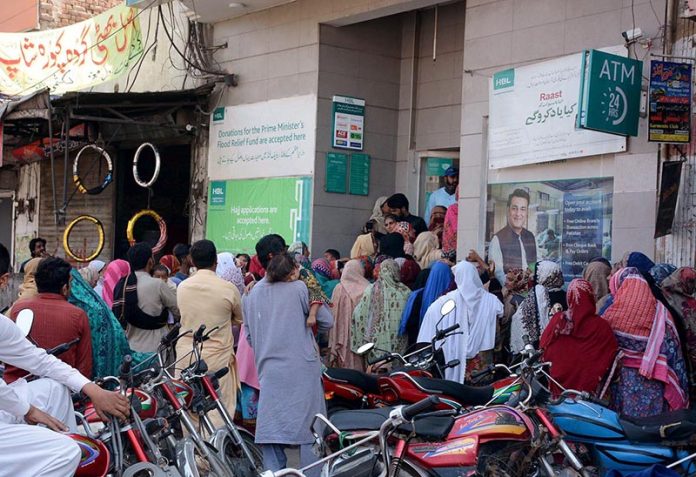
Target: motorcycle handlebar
x,y
412,410
443,333
198,335
62,348
126,365
221,372
172,336
487,370
384,357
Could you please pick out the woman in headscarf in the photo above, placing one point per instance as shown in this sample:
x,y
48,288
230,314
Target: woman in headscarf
x,y
409,235
438,280
449,231
661,271
652,375
680,291
476,312
115,271
89,275
326,275
638,260
597,273
391,246
426,249
514,293
437,222
378,212
366,244
109,343
28,287
99,267
579,334
227,270
345,299
300,251
544,300
378,314
172,264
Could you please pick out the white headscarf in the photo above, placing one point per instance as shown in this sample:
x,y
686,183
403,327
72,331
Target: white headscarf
x,y
227,270
476,312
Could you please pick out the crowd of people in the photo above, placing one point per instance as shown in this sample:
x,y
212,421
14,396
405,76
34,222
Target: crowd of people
x,y
625,332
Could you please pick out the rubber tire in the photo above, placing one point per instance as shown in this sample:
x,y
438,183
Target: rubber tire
x,y
253,448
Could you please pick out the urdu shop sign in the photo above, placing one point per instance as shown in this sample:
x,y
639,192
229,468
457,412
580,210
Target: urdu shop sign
x,y
610,93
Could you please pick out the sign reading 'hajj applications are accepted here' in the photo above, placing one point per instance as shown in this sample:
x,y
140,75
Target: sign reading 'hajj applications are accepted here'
x,y
348,123
610,93
533,112
268,139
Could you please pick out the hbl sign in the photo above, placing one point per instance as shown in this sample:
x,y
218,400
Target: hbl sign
x,y
610,93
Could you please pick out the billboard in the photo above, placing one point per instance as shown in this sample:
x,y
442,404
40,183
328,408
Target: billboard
x,y
566,221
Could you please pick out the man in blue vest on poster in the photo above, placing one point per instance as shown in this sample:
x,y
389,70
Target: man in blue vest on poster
x,y
513,246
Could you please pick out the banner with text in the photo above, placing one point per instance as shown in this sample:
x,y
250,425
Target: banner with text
x,y
240,212
268,139
532,115
566,221
72,58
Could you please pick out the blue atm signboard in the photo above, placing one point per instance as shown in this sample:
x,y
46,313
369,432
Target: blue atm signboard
x,y
610,93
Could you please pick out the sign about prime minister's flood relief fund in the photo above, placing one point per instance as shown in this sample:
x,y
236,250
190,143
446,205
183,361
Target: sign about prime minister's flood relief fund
x,y
610,93
533,111
268,139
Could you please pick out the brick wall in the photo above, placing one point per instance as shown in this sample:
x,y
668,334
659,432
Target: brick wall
x,y
60,13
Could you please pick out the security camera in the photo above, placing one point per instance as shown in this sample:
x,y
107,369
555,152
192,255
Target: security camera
x,y
632,35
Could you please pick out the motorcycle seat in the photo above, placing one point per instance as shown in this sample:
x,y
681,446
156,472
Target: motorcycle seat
x,y
669,426
431,428
364,381
465,395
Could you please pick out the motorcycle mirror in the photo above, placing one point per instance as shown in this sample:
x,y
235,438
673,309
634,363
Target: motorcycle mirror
x,y
365,348
447,307
25,319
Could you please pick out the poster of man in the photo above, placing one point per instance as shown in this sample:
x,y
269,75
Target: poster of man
x,y
566,221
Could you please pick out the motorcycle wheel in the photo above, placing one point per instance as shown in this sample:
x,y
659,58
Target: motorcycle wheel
x,y
236,459
192,463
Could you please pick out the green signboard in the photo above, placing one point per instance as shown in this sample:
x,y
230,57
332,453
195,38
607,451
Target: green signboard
x,y
360,174
245,210
336,172
610,93
436,166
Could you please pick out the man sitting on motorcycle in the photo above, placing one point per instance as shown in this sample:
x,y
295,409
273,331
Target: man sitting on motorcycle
x,y
25,448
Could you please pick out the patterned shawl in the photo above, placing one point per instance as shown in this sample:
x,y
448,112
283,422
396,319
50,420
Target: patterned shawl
x,y
378,314
426,249
227,270
109,343
638,315
115,271
597,273
661,271
449,232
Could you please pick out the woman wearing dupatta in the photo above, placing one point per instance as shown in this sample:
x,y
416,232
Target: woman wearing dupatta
x,y
476,312
680,291
345,299
579,334
378,214
115,271
437,283
109,343
545,299
426,249
28,287
326,275
449,231
652,377
378,314
597,273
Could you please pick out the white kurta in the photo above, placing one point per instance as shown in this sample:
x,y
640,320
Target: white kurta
x,y
32,450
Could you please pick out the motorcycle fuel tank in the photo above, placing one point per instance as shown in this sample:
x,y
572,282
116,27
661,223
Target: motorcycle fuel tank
x,y
94,459
497,422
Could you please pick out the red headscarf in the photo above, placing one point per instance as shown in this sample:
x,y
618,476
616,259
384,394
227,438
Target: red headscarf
x,y
171,262
579,343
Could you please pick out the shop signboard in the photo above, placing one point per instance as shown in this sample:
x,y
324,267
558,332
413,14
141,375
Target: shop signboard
x,y
360,174
533,111
348,131
669,192
610,93
669,114
336,172
72,58
267,139
565,221
240,212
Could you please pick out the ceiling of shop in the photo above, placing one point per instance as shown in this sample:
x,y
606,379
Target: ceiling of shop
x,y
213,11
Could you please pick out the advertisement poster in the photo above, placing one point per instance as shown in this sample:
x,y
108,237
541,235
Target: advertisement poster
x,y
566,221
669,193
669,117
348,130
533,113
71,58
240,212
267,139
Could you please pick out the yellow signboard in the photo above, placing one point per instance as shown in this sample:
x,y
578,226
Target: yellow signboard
x,y
72,58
